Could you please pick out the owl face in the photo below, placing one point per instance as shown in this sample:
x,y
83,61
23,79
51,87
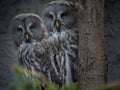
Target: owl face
x,y
27,28
58,15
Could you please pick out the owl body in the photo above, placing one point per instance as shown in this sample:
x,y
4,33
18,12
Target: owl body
x,y
60,16
35,49
33,58
39,57
28,29
51,51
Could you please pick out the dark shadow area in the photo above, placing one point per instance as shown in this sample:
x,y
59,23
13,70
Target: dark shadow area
x,y
112,39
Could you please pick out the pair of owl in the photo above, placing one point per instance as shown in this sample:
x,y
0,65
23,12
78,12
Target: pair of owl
x,y
49,45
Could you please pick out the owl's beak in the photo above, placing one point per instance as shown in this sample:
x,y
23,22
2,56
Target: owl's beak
x,y
57,24
27,37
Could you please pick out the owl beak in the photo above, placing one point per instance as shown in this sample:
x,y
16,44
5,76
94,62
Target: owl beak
x,y
57,24
27,37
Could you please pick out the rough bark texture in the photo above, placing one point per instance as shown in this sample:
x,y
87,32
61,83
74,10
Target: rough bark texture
x,y
91,45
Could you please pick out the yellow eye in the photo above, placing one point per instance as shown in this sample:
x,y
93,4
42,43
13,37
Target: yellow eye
x,y
63,15
20,29
32,27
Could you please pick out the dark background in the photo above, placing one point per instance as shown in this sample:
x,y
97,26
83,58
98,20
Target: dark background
x,y
112,39
8,57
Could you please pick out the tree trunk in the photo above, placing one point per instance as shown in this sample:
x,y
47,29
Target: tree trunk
x,y
91,45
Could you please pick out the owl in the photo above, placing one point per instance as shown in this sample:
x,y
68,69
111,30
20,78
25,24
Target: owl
x,y
27,28
60,16
54,56
33,44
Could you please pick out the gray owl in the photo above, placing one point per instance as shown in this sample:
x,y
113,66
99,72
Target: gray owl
x,y
27,28
31,39
56,55
60,16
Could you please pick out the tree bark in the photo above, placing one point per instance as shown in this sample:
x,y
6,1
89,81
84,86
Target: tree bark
x,y
91,62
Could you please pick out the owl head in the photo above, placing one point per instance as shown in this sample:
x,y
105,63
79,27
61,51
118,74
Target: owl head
x,y
27,28
58,15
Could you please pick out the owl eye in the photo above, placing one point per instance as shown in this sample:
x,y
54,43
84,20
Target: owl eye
x,y
32,27
64,15
20,29
50,16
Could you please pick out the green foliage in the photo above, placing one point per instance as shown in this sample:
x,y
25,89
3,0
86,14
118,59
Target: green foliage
x,y
28,83
51,87
15,87
70,87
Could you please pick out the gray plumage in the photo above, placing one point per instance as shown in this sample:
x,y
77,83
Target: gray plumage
x,y
54,56
34,51
39,57
60,16
27,28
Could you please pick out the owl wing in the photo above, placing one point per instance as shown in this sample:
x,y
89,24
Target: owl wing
x,y
38,57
